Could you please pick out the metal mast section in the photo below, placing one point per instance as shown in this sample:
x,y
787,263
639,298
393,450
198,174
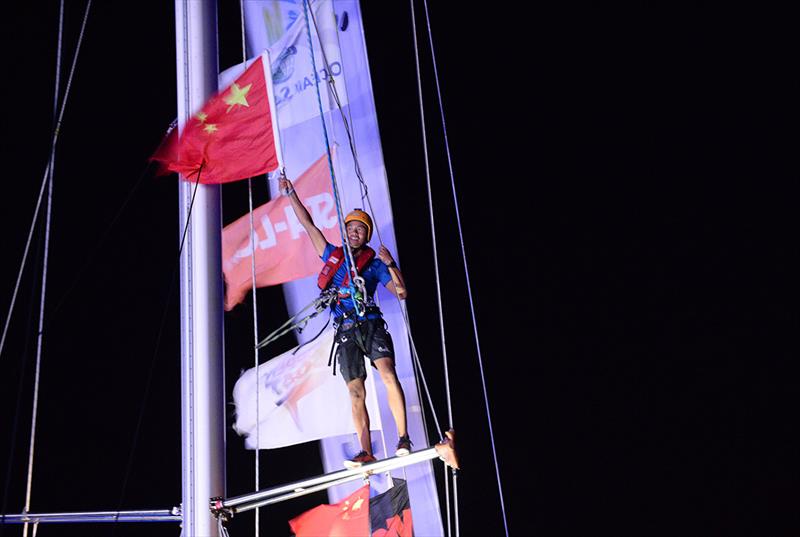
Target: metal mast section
x,y
202,349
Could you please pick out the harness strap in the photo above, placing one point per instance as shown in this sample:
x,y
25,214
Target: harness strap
x,y
332,356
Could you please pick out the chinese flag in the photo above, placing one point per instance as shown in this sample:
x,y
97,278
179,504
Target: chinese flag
x,y
348,518
231,137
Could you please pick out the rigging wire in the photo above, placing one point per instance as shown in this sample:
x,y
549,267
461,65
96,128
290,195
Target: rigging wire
x,y
91,257
257,451
53,142
21,382
433,236
466,267
432,220
37,374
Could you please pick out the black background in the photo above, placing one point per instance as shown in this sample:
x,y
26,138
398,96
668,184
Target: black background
x,y
627,219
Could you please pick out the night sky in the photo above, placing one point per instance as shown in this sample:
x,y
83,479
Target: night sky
x,y
628,225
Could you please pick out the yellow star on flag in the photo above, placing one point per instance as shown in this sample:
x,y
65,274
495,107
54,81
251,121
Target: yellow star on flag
x,y
210,127
201,116
237,96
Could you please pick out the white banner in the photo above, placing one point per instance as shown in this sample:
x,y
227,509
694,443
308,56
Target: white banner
x,y
294,75
299,399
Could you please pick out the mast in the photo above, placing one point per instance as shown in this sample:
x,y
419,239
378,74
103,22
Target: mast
x,y
202,351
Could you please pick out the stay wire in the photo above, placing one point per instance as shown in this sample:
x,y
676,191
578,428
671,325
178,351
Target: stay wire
x,y
159,335
53,142
430,213
257,451
24,258
466,267
20,384
433,234
37,374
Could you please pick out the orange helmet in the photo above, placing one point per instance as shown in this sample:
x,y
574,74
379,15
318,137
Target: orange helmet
x,y
357,215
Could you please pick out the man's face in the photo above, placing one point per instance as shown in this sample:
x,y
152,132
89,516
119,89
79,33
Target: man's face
x,y
356,234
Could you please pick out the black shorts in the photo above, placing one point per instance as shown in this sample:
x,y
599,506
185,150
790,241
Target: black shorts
x,y
368,339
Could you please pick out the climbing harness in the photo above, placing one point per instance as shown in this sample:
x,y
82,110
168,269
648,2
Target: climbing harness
x,y
329,294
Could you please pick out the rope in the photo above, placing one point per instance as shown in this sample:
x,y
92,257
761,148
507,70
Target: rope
x,y
37,374
435,249
349,261
255,299
24,258
319,304
416,364
466,268
345,122
454,473
255,346
433,223
257,476
447,500
365,196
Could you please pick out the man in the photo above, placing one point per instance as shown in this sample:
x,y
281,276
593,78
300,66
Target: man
x,y
360,332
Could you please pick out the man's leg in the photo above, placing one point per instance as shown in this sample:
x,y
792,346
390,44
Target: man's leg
x,y
394,392
358,407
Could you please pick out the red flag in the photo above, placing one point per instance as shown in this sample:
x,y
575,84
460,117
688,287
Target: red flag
x,y
349,517
232,137
283,249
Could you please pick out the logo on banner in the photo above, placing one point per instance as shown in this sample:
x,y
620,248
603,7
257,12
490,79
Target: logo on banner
x,y
284,65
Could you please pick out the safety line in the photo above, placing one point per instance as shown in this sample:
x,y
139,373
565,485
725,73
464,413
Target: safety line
x,y
349,261
365,195
345,122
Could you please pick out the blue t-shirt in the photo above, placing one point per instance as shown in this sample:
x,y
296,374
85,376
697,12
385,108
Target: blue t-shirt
x,y
376,272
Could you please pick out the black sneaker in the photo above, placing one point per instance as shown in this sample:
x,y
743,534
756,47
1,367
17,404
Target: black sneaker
x,y
403,446
362,458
